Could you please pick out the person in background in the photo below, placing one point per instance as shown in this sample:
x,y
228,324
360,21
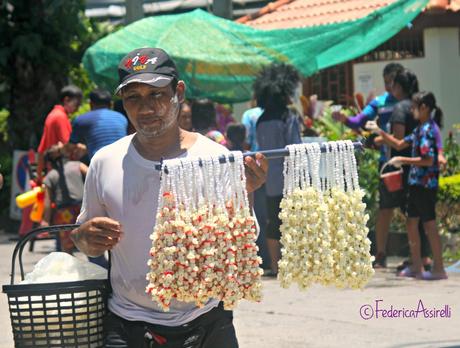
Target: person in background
x,y
97,128
204,120
423,183
249,119
223,117
94,130
401,124
63,194
381,108
185,117
236,137
57,124
277,127
118,107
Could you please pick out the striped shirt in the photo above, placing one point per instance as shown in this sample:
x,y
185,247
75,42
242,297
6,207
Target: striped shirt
x,y
98,128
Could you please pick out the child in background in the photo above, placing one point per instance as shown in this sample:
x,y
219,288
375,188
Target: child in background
x,y
423,182
236,136
185,116
204,120
64,194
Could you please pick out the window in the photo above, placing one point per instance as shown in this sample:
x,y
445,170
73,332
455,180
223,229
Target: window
x,y
406,44
334,83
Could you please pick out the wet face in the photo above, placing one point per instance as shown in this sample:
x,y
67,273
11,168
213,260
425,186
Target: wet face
x,y
152,110
185,118
388,81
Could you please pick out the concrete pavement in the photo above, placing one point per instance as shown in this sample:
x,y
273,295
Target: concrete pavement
x,y
320,317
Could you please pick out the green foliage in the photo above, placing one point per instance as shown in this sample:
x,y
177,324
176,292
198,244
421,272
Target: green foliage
x,y
451,255
40,51
4,125
41,46
332,130
448,208
6,163
452,153
368,161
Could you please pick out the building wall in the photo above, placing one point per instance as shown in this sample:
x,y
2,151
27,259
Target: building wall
x,y
438,71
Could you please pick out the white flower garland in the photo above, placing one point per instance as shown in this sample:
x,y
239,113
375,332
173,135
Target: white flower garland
x,y
203,243
324,233
306,253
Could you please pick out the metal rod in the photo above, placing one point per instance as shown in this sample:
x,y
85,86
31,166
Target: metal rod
x,y
276,153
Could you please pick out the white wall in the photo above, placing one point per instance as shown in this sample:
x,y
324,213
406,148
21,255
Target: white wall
x,y
438,71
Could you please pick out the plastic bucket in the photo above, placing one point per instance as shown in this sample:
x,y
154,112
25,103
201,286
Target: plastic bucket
x,y
393,181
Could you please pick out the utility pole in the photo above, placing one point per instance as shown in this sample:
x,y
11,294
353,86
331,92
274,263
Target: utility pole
x,y
134,10
223,8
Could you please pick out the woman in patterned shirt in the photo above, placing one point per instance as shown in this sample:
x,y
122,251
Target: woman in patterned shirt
x,y
423,182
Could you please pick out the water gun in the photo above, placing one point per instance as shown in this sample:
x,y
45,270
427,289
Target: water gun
x,y
36,196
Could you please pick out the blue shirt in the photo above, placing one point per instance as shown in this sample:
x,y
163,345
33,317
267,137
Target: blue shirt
x,y
423,141
249,120
381,106
98,128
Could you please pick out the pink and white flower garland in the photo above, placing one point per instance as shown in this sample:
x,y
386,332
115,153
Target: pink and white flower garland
x,y
203,244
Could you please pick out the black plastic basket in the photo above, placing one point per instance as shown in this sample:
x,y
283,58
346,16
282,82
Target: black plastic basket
x,y
67,314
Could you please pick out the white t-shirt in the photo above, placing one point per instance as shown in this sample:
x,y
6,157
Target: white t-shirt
x,y
124,186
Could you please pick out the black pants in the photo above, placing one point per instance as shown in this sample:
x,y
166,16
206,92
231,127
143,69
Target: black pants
x,y
273,219
213,329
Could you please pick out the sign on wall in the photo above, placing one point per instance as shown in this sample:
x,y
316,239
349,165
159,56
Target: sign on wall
x,y
365,83
20,181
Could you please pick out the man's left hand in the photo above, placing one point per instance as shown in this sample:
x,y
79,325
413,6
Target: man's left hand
x,y
256,171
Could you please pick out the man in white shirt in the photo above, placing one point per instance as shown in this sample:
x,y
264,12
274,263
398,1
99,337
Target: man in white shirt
x,y
120,203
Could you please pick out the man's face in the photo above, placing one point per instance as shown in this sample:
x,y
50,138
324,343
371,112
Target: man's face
x,y
152,110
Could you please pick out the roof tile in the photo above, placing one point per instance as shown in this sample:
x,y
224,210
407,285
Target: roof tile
x,y
284,14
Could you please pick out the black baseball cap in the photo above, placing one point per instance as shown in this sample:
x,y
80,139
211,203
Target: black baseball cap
x,y
152,66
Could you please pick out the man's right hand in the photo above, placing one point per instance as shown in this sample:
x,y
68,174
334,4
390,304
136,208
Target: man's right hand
x,y
97,235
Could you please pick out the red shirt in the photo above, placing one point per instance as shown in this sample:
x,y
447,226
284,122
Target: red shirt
x,y
57,129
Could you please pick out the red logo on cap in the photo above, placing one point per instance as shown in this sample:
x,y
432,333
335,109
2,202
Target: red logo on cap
x,y
144,59
129,63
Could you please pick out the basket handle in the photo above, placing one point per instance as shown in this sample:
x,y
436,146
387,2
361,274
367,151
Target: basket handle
x,y
385,165
23,241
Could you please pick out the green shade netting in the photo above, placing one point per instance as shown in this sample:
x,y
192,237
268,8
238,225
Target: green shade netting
x,y
218,59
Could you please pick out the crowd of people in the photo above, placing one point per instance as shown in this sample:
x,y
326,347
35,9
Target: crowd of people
x,y
66,149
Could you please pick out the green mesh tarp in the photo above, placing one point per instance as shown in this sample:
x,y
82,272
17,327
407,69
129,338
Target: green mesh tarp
x,y
218,58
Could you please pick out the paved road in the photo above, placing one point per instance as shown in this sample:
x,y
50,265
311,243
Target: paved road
x,y
319,317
